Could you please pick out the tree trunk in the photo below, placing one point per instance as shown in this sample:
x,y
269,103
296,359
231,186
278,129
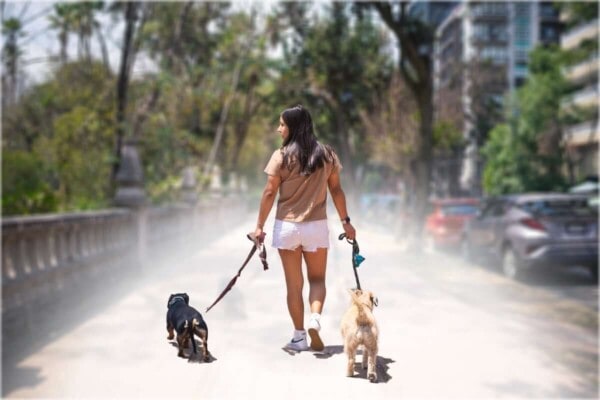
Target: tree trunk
x,y
423,159
123,83
241,132
345,151
341,127
102,43
223,119
415,48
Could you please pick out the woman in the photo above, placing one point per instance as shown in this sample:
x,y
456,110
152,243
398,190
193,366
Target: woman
x,y
301,171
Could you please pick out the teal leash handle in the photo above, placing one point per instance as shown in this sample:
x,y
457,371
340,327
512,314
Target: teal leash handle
x,y
357,259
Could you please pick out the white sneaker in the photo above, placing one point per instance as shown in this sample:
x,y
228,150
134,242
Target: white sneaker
x,y
314,326
299,344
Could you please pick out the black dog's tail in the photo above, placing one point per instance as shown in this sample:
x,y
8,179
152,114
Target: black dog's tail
x,y
191,330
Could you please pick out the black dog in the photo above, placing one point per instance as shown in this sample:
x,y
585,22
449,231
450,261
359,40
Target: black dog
x,y
187,321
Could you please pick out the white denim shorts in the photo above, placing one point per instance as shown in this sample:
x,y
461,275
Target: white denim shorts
x,y
309,235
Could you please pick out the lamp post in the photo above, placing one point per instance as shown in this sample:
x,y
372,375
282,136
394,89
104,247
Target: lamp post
x,y
131,194
130,178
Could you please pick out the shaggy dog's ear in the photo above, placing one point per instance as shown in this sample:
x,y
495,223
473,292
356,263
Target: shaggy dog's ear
x,y
169,301
374,301
187,299
355,294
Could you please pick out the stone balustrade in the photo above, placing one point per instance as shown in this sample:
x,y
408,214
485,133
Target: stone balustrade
x,y
46,257
39,251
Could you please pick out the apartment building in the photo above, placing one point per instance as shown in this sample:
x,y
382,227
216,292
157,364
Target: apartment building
x,y
431,12
582,135
487,44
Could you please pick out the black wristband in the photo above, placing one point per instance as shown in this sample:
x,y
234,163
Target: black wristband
x,y
346,220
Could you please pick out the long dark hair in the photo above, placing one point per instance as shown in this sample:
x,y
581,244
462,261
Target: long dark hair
x,y
301,145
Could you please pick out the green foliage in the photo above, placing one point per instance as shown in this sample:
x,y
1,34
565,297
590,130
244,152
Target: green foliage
x,y
65,124
335,65
63,130
446,135
578,11
165,190
506,165
24,186
81,147
526,154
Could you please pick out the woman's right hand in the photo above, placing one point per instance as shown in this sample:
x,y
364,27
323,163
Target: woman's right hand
x,y
260,234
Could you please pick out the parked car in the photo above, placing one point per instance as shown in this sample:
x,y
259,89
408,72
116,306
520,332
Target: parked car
x,y
444,225
535,230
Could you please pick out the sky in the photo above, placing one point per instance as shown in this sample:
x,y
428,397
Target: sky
x,y
41,42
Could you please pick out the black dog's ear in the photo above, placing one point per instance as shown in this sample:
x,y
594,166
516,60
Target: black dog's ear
x,y
187,299
169,301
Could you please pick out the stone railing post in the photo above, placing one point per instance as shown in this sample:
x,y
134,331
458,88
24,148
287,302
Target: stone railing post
x,y
188,186
131,194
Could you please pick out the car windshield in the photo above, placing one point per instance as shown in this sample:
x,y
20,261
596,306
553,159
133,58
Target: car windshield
x,y
459,209
560,208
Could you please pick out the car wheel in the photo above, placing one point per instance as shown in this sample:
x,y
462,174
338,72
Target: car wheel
x,y
510,264
594,273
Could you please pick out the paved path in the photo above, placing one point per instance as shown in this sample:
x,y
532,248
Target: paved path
x,y
448,330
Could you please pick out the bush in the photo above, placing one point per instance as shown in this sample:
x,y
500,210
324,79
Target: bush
x,y
24,189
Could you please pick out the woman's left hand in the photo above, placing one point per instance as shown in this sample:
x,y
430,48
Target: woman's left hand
x,y
349,230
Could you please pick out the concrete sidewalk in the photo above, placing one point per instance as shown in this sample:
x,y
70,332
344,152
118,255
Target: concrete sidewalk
x,y
432,344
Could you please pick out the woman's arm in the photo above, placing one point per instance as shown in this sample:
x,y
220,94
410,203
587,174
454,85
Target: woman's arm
x,y
339,201
266,202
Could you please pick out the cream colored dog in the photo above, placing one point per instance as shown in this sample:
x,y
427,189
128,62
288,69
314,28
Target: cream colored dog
x,y
359,328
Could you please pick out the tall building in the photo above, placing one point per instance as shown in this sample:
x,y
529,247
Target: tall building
x,y
581,137
481,53
431,12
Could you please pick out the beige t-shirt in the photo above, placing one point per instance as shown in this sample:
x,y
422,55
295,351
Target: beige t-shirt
x,y
301,198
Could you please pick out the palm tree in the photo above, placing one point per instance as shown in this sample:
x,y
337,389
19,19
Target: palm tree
x,y
63,21
84,24
12,30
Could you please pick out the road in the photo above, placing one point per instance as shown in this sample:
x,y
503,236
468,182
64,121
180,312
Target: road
x,y
448,330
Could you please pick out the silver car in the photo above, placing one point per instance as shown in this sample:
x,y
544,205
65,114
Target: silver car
x,y
534,230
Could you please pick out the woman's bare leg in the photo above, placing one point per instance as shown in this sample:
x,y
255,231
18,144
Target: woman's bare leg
x,y
294,281
316,266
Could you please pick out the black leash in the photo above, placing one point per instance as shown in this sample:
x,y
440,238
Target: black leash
x,y
356,257
258,244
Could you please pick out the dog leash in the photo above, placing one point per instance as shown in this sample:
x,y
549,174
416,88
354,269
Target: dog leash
x,y
258,243
357,259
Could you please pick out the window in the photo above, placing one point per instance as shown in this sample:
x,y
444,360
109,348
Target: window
x,y
499,32
521,8
521,55
521,70
494,209
549,33
553,208
489,9
459,209
548,10
480,32
495,53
